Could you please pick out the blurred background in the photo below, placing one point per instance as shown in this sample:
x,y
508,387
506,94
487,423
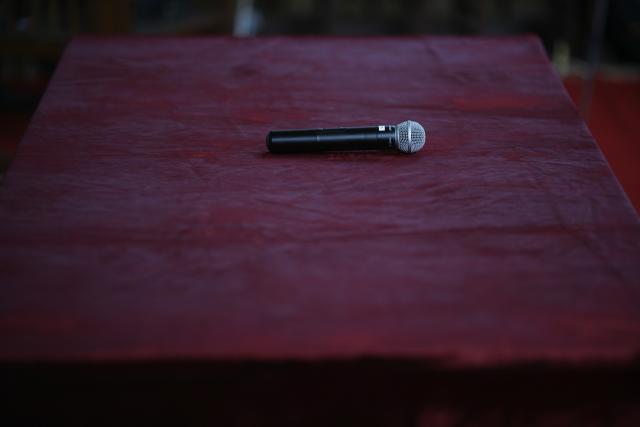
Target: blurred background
x,y
594,45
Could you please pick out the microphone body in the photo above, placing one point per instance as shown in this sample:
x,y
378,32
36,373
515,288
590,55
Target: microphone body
x,y
341,139
408,137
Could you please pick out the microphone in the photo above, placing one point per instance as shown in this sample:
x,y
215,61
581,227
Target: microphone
x,y
407,137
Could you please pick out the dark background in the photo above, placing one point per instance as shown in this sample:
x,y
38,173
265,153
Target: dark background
x,y
594,44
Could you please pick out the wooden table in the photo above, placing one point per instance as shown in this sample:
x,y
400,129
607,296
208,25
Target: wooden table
x,y
156,261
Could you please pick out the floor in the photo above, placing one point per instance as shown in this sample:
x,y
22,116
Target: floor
x,y
614,121
12,127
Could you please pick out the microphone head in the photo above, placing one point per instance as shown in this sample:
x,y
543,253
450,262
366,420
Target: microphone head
x,y
410,136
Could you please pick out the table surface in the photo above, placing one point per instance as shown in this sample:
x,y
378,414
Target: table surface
x,y
144,219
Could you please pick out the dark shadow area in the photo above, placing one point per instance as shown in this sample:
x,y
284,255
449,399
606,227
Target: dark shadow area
x,y
363,392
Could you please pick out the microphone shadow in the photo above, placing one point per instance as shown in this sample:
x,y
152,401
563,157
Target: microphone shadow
x,y
349,156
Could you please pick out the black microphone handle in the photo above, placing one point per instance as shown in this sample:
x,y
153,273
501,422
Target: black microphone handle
x,y
341,139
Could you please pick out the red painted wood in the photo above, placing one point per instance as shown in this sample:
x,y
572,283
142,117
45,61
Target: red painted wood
x,y
143,218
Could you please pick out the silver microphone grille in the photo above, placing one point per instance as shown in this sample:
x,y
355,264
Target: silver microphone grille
x,y
410,136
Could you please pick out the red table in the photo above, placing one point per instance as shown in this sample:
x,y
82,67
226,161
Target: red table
x,y
148,237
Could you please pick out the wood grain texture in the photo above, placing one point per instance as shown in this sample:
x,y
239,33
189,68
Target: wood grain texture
x,y
144,219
